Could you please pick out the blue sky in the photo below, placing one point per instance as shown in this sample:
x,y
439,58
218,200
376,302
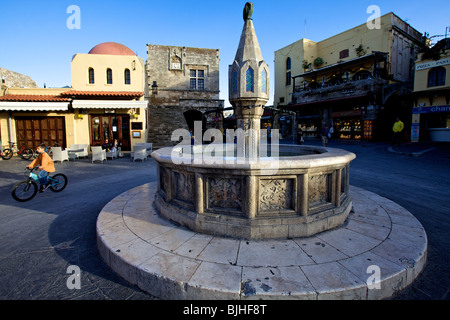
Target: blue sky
x,y
35,39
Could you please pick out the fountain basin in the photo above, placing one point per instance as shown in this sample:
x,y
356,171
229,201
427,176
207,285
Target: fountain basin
x,y
269,198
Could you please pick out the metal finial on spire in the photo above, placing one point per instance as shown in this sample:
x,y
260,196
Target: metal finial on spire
x,y
248,11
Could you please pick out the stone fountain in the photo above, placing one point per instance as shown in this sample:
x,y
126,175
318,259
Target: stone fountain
x,y
234,221
255,197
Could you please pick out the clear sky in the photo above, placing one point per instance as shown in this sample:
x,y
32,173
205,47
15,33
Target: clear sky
x,y
36,41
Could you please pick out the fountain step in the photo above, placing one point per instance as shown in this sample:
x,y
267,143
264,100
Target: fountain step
x,y
171,262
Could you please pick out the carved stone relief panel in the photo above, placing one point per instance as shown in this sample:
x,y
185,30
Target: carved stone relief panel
x,y
276,194
225,193
184,186
319,189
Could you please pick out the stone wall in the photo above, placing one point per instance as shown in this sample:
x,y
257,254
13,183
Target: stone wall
x,y
171,67
14,79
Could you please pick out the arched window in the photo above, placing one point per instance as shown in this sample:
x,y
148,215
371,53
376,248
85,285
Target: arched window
x,y
234,82
250,80
288,72
288,63
91,76
109,79
264,81
127,76
436,77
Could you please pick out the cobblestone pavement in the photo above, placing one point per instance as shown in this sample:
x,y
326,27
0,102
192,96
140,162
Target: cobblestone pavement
x,y
41,238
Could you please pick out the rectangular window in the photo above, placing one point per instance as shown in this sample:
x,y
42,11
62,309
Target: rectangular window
x,y
197,81
193,84
288,78
343,54
201,84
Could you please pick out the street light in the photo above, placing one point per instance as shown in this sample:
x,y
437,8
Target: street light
x,y
154,88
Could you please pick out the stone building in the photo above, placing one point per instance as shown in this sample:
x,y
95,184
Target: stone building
x,y
14,79
106,101
431,112
182,87
357,81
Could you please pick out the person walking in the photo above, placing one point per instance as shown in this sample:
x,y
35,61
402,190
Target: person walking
x,y
325,133
398,131
299,136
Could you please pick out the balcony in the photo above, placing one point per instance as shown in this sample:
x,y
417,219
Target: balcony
x,y
314,92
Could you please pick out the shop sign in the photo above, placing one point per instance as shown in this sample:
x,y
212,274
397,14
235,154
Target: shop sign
x,y
350,113
433,109
415,132
432,64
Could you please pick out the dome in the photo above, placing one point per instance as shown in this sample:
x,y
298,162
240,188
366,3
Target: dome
x,y
112,48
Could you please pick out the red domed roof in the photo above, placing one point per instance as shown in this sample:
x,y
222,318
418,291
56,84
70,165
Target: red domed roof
x,y
112,48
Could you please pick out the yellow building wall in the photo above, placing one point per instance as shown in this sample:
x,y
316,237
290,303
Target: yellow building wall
x,y
77,127
421,76
100,63
384,39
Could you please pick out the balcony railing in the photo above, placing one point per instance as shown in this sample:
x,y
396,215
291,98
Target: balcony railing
x,y
346,88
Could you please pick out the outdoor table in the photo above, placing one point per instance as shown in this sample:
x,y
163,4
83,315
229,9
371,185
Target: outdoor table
x,y
73,153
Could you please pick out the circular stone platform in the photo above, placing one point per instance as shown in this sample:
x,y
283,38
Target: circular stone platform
x,y
170,262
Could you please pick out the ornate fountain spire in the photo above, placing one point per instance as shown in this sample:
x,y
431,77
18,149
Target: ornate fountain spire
x,y
249,74
248,84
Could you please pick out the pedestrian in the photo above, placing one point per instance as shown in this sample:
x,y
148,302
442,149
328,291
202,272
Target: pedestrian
x,y
269,134
325,133
330,134
299,136
398,130
45,164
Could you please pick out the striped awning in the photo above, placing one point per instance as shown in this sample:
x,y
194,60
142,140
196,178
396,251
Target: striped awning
x,y
108,104
33,106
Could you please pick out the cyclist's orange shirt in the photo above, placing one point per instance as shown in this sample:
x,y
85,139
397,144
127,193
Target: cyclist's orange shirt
x,y
45,161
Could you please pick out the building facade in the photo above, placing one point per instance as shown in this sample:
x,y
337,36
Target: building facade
x,y
182,87
431,112
357,81
106,101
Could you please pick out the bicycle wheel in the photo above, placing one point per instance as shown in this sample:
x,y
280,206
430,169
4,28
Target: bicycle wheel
x,y
58,182
24,191
7,154
27,154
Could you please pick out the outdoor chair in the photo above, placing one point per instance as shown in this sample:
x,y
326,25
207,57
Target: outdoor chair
x,y
80,154
112,154
98,154
59,154
147,145
139,153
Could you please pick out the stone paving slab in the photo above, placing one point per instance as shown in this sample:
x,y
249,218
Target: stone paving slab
x,y
171,262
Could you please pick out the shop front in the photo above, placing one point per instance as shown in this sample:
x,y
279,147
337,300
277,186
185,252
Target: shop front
x,y
348,125
30,120
310,126
111,120
431,123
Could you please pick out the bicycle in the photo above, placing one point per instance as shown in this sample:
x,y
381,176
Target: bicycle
x,y
48,149
23,152
27,189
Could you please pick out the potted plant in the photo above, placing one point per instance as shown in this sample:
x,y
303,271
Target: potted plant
x,y
318,62
360,51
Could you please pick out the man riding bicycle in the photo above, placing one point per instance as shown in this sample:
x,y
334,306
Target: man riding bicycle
x,y
45,164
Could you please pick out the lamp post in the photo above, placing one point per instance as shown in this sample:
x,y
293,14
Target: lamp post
x,y
154,88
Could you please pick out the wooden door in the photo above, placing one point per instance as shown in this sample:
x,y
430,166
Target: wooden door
x,y
30,132
110,127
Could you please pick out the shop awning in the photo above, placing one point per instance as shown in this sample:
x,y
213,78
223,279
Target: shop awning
x,y
108,104
33,106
